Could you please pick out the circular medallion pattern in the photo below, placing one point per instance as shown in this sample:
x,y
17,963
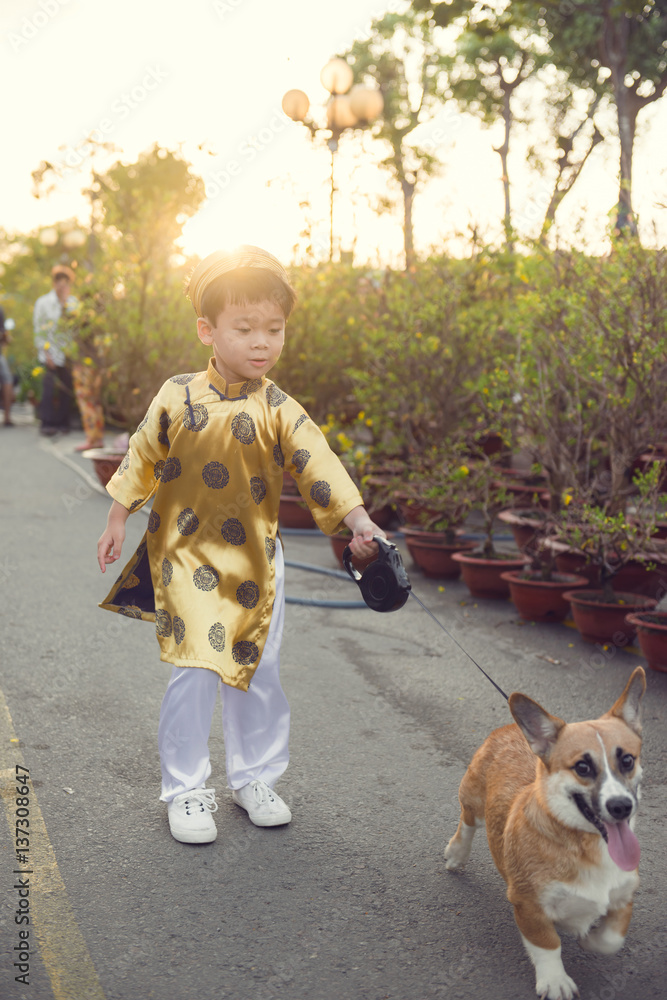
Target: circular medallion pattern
x,y
245,652
300,459
243,428
131,611
215,475
275,396
205,578
257,489
163,625
321,493
233,531
171,470
216,636
167,572
187,522
248,594
195,417
179,630
153,522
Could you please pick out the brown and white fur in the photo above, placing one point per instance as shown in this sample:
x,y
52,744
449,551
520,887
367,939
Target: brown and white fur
x,y
555,799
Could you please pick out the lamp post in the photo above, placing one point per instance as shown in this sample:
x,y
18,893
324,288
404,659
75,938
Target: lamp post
x,y
347,107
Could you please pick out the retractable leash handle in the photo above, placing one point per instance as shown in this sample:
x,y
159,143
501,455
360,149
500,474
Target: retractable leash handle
x,y
384,584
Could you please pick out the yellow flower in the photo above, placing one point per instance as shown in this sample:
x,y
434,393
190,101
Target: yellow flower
x,y
567,499
37,371
47,345
361,415
87,361
351,321
464,470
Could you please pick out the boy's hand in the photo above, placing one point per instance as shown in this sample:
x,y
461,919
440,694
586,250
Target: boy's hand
x,y
111,540
363,530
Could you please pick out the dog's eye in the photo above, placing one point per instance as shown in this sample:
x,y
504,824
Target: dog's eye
x,y
584,768
626,762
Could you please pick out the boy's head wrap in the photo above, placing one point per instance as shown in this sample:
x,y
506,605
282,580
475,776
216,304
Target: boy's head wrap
x,y
222,261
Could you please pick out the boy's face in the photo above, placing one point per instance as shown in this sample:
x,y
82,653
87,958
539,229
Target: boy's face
x,y
247,340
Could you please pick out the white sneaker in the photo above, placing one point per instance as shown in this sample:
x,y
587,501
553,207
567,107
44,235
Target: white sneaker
x,y
263,805
190,819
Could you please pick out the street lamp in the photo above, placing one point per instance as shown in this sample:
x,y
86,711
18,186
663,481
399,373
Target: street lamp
x,y
347,107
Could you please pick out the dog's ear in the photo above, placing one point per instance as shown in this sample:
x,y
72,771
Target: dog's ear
x,y
628,707
540,729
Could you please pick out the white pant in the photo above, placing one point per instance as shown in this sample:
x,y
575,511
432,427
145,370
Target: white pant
x,y
255,723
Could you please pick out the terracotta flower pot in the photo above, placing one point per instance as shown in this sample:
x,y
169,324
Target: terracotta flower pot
x,y
569,561
651,629
524,522
483,577
539,600
598,621
294,512
636,578
413,512
105,462
526,490
290,488
433,554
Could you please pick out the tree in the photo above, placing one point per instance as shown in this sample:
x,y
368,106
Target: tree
x,y
620,45
402,58
497,50
146,204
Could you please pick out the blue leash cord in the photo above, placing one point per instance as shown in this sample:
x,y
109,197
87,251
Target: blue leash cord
x,y
314,602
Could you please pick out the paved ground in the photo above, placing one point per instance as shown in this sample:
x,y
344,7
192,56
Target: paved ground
x,y
351,901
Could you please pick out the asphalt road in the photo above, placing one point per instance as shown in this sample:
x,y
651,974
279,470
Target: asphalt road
x,y
352,900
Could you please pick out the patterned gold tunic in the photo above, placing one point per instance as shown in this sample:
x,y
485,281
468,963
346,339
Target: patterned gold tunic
x,y
211,456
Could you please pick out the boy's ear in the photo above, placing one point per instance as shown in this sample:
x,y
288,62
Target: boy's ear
x,y
204,331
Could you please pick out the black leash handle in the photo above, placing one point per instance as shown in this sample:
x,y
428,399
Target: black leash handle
x,y
385,586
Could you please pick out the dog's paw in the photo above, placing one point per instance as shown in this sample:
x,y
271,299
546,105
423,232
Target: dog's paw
x,y
602,941
557,988
456,855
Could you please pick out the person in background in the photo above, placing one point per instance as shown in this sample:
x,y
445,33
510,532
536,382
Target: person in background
x,y
87,366
6,378
52,342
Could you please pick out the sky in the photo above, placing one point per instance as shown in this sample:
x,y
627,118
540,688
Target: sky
x,y
207,77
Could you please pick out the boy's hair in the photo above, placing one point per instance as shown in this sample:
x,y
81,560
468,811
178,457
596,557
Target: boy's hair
x,y
246,285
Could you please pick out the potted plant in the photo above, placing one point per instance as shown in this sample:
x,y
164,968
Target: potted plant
x,y
651,628
482,568
537,589
593,367
434,497
610,542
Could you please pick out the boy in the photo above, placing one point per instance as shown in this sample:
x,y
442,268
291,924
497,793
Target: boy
x,y
209,571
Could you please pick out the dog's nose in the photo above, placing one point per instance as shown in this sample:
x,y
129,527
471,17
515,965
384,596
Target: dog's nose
x,y
619,807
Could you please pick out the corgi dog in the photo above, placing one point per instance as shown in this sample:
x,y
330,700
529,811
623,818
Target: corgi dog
x,y
559,802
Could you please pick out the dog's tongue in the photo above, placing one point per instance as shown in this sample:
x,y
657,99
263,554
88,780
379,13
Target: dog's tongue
x,y
623,845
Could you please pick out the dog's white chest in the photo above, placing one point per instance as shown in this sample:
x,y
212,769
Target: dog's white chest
x,y
576,906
